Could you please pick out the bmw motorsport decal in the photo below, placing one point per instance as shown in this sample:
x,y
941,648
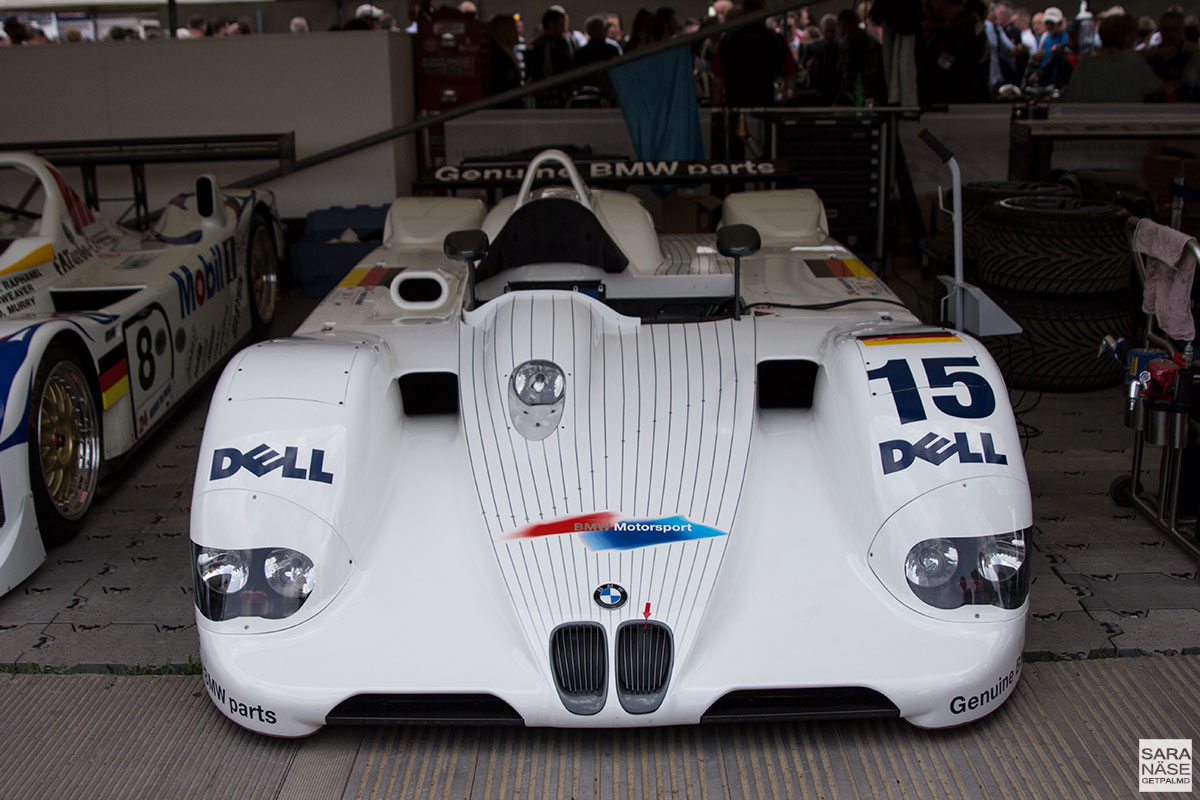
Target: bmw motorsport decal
x,y
610,596
605,530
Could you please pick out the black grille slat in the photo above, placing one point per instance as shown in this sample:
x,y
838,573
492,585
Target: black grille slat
x,y
579,659
645,653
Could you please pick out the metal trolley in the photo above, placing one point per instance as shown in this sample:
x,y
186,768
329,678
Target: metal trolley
x,y
1159,410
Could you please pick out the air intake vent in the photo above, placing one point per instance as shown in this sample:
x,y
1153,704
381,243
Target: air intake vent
x,y
423,709
645,651
836,702
579,658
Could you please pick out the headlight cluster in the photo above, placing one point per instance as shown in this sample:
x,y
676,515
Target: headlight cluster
x,y
988,570
268,582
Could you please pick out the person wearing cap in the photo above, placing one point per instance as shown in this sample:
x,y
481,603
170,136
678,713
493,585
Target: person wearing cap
x,y
369,14
1055,33
1063,58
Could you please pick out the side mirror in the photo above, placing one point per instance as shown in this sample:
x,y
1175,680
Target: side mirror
x,y
735,241
469,246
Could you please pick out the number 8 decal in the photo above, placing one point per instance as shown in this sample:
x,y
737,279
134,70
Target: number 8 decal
x,y
905,395
145,352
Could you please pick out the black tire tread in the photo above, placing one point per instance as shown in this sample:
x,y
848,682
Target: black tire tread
x,y
1023,247
1056,351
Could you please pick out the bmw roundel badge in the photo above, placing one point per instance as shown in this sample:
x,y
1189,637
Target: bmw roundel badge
x,y
610,596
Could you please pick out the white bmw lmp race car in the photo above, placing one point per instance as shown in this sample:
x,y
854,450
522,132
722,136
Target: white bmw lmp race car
x,y
535,465
103,330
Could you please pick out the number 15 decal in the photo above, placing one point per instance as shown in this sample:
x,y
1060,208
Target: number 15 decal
x,y
898,374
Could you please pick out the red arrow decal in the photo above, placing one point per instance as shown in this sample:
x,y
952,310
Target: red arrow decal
x,y
646,614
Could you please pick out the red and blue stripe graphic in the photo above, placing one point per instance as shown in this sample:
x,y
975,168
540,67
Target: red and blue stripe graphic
x,y
605,530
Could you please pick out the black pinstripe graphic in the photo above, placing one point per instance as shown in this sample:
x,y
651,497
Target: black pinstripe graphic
x,y
640,398
700,438
503,414
687,416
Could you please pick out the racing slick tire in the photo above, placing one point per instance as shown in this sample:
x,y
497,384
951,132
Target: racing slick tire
x,y
262,273
64,444
1056,350
1058,245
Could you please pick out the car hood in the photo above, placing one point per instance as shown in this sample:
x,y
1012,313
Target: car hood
x,y
651,449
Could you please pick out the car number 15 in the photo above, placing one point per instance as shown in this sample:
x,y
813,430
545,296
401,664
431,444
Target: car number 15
x,y
898,373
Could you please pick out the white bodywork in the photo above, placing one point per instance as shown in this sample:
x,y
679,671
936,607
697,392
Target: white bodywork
x,y
70,276
449,547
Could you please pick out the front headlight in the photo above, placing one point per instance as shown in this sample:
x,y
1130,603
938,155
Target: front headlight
x,y
983,570
931,563
268,582
222,571
290,573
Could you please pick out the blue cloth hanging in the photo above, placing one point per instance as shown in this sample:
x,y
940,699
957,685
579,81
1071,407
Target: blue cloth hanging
x,y
658,98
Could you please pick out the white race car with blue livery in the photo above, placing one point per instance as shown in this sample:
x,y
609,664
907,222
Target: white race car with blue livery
x,y
537,465
103,330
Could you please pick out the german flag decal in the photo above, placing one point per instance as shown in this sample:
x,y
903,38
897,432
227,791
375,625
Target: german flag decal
x,y
371,276
114,376
838,268
920,337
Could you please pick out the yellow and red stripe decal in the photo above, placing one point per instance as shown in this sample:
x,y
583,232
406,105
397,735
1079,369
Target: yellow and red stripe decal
x,y
838,268
42,255
921,337
371,276
114,376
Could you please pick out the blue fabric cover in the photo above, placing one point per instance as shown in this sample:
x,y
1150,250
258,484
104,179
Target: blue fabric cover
x,y
659,101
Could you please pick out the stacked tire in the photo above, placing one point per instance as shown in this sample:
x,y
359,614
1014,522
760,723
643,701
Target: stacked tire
x,y
1062,268
976,198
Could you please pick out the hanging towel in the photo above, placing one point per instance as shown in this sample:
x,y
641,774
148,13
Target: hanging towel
x,y
1170,269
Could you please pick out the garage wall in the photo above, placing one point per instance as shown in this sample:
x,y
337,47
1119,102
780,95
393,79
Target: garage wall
x,y
330,88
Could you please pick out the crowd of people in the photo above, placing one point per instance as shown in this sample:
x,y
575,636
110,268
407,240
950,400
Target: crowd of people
x,y
881,52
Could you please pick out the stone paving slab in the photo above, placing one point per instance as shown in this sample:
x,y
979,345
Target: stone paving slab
x,y
1071,634
1050,595
1153,631
1112,558
112,646
1137,591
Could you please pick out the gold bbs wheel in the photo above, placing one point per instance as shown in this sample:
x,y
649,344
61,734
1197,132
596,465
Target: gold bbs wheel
x,y
64,444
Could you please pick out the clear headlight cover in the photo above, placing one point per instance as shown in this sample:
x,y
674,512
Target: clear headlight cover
x,y
222,571
290,573
267,582
931,563
983,570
